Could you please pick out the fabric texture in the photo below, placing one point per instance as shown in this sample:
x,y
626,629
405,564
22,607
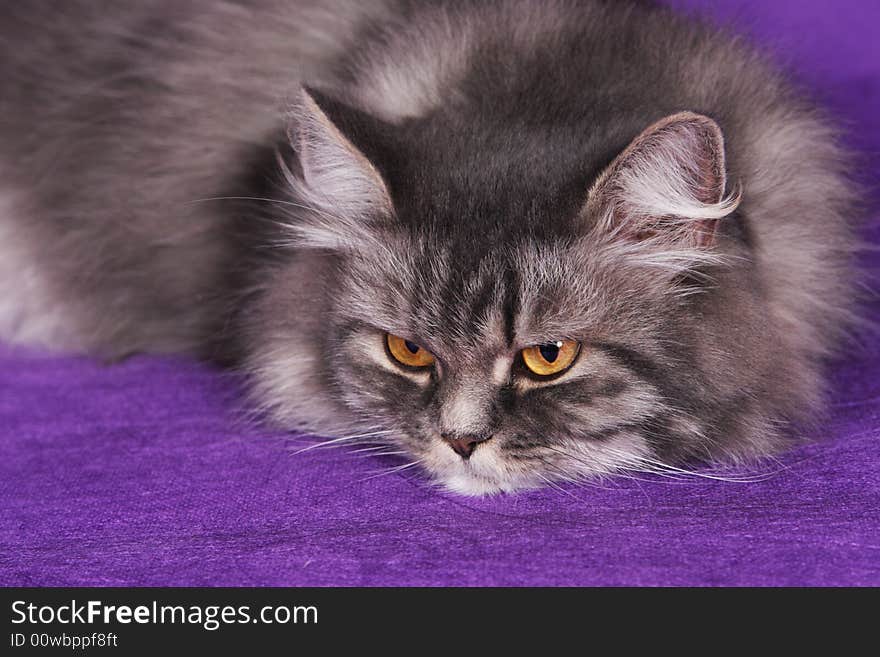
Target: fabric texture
x,y
146,473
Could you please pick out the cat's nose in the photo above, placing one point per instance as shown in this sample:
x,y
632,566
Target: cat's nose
x,y
463,444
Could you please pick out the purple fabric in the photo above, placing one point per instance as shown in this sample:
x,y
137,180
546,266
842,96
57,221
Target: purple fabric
x,y
143,473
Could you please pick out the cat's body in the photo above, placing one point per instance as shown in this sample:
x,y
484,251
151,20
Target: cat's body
x,y
475,177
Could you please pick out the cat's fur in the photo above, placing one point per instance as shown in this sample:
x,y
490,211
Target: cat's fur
x,y
476,177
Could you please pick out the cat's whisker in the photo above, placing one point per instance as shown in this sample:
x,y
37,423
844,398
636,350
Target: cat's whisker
x,y
629,463
263,199
343,439
366,441
398,468
626,475
375,454
665,469
575,479
324,446
370,449
364,434
555,486
284,226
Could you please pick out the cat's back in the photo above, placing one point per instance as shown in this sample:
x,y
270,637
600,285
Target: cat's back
x,y
116,121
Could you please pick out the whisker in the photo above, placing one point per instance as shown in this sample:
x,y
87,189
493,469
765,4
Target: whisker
x,y
355,437
369,449
374,454
250,198
557,487
263,199
579,480
391,471
671,469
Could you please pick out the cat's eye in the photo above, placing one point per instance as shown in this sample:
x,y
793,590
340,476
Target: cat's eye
x,y
408,353
550,358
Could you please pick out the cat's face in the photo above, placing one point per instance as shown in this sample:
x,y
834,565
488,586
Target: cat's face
x,y
500,355
524,368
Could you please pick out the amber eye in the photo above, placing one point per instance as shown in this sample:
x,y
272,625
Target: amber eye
x,y
551,357
408,353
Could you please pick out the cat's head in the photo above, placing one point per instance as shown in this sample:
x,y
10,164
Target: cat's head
x,y
501,322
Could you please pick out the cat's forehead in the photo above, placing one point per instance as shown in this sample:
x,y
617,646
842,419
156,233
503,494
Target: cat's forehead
x,y
491,301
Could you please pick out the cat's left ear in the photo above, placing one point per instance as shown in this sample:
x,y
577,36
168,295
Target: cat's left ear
x,y
336,180
667,186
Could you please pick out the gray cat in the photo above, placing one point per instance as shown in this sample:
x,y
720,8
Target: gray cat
x,y
521,241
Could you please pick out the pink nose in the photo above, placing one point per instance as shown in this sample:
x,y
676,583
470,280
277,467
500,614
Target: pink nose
x,y
463,445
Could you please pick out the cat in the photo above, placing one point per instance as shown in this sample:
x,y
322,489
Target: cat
x,y
520,241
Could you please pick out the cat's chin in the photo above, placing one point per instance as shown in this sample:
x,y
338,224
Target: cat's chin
x,y
483,474
477,486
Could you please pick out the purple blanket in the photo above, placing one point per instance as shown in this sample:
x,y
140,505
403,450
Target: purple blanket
x,y
145,473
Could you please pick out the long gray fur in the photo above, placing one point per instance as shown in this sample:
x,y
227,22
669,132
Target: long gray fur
x,y
443,177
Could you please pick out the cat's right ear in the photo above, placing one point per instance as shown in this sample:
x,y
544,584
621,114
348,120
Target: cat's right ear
x,y
667,188
341,189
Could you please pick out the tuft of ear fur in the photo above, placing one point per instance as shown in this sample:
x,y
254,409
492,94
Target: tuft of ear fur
x,y
337,187
667,188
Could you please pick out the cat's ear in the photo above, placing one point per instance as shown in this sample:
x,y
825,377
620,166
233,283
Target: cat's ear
x,y
667,187
335,179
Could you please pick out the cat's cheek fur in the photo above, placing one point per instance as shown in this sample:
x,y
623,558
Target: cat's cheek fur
x,y
286,352
31,311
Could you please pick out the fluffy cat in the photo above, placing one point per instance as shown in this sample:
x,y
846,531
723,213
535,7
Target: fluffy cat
x,y
520,240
